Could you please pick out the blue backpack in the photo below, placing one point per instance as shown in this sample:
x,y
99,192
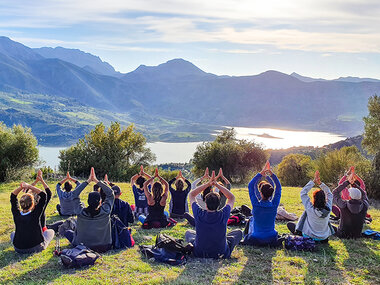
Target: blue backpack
x,y
298,243
121,236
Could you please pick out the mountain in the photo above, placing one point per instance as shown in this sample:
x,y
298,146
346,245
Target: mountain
x,y
180,91
306,79
356,79
175,69
79,58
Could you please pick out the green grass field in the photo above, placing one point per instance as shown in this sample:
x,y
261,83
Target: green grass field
x,y
339,262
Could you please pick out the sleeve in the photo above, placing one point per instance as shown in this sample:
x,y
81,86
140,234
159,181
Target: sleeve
x,y
14,205
77,182
41,204
253,191
78,190
59,190
329,195
130,217
171,181
344,178
48,195
110,197
364,197
226,213
362,185
278,189
195,183
196,210
304,195
228,186
337,197
188,188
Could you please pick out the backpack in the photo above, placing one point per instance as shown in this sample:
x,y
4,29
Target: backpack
x,y
236,220
121,235
78,256
299,243
172,244
69,224
167,250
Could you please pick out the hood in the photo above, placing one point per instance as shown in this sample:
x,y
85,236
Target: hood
x,y
355,206
322,213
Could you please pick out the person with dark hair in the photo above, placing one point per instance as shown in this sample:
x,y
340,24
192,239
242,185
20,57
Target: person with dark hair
x,y
28,236
260,230
67,202
141,203
178,202
353,211
93,227
120,207
210,237
156,198
314,222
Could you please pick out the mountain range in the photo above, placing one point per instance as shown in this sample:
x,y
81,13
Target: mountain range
x,y
176,91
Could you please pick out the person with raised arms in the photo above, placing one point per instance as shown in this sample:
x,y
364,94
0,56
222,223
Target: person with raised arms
x,y
210,238
265,198
29,236
156,198
315,221
353,211
39,178
141,203
93,227
120,208
67,202
178,202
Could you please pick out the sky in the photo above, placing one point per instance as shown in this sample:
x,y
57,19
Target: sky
x,y
324,39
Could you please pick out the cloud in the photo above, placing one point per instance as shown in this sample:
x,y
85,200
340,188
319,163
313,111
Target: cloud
x,y
321,26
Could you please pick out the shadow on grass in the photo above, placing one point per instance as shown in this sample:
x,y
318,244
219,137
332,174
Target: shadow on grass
x,y
321,266
258,268
362,260
9,256
44,274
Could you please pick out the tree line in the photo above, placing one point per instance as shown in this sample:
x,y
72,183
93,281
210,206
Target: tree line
x,y
119,152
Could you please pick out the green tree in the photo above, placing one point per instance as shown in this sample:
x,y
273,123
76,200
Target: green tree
x,y
333,164
114,151
18,152
294,169
238,158
371,142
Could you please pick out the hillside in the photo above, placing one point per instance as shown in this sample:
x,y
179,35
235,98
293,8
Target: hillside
x,y
179,90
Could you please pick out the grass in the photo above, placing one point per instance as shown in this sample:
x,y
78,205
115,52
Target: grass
x,y
339,262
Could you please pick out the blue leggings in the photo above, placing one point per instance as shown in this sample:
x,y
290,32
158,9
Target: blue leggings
x,y
142,218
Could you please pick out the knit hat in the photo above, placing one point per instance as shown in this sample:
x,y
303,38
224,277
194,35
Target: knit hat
x,y
93,198
116,190
355,193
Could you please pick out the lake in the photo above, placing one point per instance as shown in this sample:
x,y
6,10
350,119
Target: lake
x,y
183,152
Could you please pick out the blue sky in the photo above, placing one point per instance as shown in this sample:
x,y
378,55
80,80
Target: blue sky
x,y
325,39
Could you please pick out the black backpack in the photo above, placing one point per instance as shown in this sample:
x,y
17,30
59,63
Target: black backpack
x,y
121,236
299,243
78,256
168,250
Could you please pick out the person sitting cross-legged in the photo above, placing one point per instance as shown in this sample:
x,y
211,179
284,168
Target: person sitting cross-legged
x,y
260,230
314,222
29,237
67,202
178,202
210,238
353,211
93,227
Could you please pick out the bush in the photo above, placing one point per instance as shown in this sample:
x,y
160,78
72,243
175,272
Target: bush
x,y
294,169
18,152
238,158
115,151
333,164
373,185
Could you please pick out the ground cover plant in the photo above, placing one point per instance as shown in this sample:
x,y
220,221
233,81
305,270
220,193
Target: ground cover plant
x,y
339,262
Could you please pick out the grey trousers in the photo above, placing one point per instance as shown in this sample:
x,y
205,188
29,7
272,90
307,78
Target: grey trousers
x,y
48,237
